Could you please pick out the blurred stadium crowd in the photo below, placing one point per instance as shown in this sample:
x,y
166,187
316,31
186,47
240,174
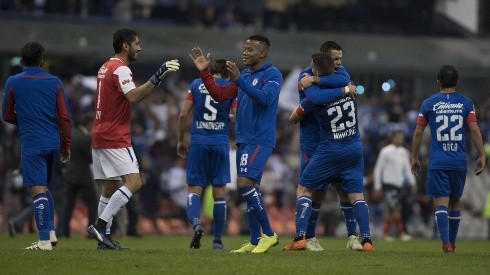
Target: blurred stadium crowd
x,y
160,206
396,17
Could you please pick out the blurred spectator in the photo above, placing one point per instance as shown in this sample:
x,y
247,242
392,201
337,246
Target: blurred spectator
x,y
77,176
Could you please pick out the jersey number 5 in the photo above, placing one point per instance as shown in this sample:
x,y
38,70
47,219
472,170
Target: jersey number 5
x,y
210,115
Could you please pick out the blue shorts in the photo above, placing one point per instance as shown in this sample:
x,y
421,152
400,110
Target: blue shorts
x,y
251,159
306,151
445,183
208,164
327,166
37,168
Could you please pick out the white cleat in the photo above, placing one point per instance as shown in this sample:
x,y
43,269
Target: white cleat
x,y
353,243
312,244
40,246
52,238
405,237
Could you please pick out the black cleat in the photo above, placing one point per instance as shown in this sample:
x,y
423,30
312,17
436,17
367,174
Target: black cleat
x,y
101,246
93,232
196,239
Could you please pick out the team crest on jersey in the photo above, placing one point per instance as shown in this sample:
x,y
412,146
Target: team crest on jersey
x,y
255,81
125,81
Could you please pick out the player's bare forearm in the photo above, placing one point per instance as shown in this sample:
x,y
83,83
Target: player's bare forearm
x,y
139,93
478,142
295,117
416,141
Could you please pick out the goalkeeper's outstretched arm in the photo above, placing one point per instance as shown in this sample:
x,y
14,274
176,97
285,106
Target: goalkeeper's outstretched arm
x,y
139,93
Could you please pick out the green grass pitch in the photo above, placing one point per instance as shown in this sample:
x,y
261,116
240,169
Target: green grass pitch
x,y
171,255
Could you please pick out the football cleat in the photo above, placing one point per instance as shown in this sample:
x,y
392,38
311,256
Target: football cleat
x,y
101,246
52,238
40,246
246,247
265,243
405,237
217,244
196,239
312,244
367,245
295,245
353,243
93,232
448,248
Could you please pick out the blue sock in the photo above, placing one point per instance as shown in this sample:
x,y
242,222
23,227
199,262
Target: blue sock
x,y
350,220
454,219
315,211
194,209
51,208
303,212
256,205
41,215
219,217
361,214
442,222
253,224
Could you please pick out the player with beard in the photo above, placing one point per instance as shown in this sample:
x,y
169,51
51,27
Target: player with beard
x,y
112,154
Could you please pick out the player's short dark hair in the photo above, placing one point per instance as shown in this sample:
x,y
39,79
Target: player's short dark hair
x,y
122,36
218,66
448,76
260,38
327,46
32,54
323,63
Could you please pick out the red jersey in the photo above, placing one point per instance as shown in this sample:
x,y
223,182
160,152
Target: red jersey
x,y
112,108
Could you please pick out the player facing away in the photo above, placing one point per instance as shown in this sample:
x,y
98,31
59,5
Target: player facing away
x,y
446,113
391,172
35,101
112,154
208,154
336,111
257,90
309,139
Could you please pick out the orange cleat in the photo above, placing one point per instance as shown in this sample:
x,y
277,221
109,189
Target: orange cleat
x,y
448,248
367,245
296,245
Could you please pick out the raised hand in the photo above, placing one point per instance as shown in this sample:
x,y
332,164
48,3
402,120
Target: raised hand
x,y
233,69
201,61
166,68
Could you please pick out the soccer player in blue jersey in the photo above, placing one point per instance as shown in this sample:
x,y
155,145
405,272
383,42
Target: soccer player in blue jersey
x,y
208,157
257,90
338,156
446,113
35,101
309,139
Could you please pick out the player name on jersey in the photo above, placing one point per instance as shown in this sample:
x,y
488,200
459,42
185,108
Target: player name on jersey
x,y
210,125
344,134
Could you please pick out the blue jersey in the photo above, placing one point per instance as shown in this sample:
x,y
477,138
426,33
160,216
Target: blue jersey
x,y
446,114
336,114
211,118
258,96
36,102
309,130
